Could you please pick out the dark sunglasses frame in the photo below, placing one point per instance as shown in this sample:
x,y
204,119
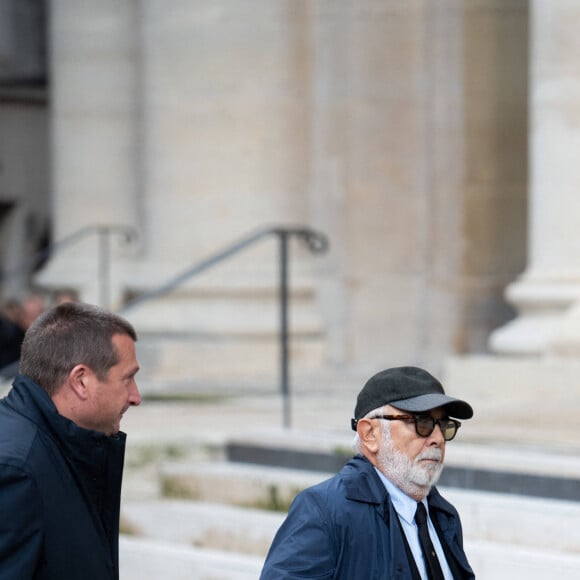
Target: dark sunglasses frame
x,y
425,424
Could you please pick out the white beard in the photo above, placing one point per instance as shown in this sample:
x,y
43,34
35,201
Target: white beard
x,y
415,478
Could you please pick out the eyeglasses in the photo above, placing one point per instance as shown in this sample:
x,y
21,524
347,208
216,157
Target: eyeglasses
x,y
425,424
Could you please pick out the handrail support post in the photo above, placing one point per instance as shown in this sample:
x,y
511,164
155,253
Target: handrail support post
x,y
104,269
284,334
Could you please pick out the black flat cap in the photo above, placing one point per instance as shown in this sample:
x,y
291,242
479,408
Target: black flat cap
x,y
410,389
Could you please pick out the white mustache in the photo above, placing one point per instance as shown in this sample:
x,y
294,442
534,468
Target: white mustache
x,y
432,454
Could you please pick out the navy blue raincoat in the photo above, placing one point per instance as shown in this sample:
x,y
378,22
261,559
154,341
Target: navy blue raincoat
x,y
347,528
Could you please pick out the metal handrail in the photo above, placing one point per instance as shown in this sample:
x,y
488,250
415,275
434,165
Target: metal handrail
x,y
104,233
315,241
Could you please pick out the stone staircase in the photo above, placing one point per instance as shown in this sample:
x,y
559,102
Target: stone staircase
x,y
198,505
214,510
191,332
144,559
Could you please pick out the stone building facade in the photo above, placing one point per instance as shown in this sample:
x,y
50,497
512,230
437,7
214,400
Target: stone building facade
x,y
401,130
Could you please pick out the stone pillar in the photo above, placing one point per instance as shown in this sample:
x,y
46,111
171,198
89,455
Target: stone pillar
x,y
94,141
548,288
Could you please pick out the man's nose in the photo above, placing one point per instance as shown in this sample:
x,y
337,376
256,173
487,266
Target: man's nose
x,y
135,395
436,438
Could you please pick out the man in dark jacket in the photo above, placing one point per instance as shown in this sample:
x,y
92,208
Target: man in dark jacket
x,y
362,522
61,452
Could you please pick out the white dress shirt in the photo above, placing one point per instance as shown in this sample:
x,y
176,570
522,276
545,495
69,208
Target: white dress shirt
x,y
406,507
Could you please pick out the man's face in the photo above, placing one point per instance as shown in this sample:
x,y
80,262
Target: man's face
x,y
412,462
111,397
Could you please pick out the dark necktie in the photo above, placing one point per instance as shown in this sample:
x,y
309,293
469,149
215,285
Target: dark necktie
x,y
431,562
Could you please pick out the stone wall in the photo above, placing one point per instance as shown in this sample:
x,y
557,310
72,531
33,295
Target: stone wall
x,y
397,128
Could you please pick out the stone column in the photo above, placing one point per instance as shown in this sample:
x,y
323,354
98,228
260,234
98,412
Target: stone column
x,y
544,294
95,111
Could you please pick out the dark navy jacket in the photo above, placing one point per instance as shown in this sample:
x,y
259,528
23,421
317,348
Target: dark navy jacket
x,y
347,528
60,489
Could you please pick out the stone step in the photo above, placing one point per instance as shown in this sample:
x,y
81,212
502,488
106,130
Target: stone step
x,y
236,484
486,517
244,312
190,363
145,559
202,524
504,561
496,468
514,520
225,333
505,538
497,517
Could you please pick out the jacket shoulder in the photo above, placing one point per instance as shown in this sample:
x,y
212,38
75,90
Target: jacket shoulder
x,y
17,435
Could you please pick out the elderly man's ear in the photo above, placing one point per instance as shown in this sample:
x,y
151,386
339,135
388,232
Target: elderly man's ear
x,y
370,435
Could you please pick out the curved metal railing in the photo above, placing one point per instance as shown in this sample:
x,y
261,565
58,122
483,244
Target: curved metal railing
x,y
104,232
315,241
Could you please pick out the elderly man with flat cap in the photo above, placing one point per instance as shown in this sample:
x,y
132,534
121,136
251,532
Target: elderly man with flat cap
x,y
381,516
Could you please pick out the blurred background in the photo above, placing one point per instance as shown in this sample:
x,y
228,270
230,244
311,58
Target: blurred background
x,y
137,138
289,195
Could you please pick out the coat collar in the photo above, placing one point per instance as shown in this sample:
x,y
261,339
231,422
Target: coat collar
x,y
362,482
33,402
